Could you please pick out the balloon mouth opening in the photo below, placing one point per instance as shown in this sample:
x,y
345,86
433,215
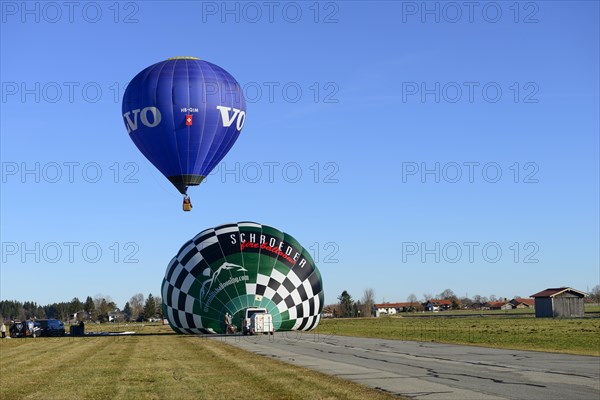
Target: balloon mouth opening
x,y
183,58
181,182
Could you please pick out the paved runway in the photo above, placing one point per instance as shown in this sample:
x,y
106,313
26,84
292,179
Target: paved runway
x,y
424,370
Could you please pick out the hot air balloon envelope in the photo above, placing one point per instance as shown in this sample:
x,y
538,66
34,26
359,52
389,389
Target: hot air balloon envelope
x,y
233,267
184,114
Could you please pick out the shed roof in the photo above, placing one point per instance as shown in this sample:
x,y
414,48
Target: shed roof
x,y
496,303
442,302
551,292
518,300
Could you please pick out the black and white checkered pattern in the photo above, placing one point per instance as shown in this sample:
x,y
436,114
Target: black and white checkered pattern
x,y
177,300
299,292
291,294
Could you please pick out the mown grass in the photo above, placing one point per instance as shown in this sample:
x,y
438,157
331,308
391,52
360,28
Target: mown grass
x,y
517,311
573,336
155,364
590,310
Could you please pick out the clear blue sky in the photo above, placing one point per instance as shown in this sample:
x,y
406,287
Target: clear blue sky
x,y
388,90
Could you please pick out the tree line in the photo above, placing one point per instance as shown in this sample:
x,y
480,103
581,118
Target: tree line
x,y
348,307
97,309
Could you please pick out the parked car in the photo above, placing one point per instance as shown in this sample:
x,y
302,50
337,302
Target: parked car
x,y
18,329
50,327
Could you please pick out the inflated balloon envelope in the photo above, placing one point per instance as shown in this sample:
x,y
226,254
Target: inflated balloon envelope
x,y
184,114
233,267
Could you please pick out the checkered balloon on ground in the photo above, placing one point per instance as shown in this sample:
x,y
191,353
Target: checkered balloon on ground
x,y
232,267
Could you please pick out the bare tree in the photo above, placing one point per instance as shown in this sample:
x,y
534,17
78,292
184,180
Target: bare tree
x,y
414,302
159,311
448,294
479,301
368,302
99,298
137,306
595,294
102,306
412,298
466,301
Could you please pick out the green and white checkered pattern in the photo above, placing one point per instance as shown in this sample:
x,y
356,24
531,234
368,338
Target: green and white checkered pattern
x,y
235,266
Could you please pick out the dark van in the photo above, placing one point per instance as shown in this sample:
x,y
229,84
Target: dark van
x,y
50,327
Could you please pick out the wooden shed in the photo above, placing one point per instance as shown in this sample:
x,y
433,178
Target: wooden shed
x,y
563,302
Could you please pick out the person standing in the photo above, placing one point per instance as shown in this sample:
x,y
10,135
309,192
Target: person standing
x,y
30,327
3,330
227,322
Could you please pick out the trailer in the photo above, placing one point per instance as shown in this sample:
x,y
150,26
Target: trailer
x,y
257,320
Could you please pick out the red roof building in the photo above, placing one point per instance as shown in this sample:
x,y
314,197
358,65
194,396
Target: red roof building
x,y
392,308
499,305
438,305
519,302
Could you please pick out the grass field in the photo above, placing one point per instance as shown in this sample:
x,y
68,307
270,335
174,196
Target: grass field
x,y
156,365
574,336
590,310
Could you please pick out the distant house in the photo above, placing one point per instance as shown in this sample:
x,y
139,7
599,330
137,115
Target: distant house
x,y
519,302
472,306
438,305
559,302
392,308
79,316
499,305
328,312
116,315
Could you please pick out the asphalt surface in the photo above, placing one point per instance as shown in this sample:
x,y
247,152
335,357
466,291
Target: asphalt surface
x,y
424,370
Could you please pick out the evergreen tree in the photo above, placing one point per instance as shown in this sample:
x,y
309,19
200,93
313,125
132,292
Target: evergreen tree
x,y
89,305
127,312
103,311
455,304
11,309
346,304
76,306
149,307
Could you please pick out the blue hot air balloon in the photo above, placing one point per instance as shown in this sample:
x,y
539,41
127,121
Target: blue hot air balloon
x,y
184,114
